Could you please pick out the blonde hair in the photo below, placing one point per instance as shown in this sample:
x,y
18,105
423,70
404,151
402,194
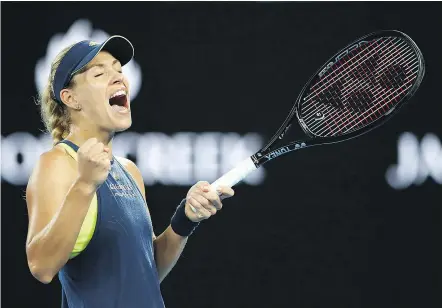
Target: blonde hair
x,y
55,115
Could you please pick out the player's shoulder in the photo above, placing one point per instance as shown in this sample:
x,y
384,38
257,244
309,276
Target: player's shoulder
x,y
125,162
54,163
56,156
132,168
129,165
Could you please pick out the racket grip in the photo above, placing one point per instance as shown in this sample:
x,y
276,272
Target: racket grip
x,y
235,175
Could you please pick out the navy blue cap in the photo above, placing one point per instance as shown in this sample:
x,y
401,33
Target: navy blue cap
x,y
80,54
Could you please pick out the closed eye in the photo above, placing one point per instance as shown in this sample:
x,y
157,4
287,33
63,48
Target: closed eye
x,y
99,75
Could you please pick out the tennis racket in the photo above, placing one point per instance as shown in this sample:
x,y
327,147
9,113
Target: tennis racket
x,y
356,90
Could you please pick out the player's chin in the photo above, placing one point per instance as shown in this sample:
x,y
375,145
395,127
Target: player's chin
x,y
122,124
121,120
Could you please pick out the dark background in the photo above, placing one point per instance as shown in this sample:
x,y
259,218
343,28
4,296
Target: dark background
x,y
324,229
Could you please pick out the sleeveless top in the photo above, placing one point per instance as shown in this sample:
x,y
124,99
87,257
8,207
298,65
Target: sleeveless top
x,y
114,267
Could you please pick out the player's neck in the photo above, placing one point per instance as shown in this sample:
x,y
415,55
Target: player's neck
x,y
79,135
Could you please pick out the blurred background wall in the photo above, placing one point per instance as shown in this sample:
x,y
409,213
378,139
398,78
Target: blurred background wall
x,y
352,225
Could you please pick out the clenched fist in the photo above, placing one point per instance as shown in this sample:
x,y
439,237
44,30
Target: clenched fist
x,y
93,162
202,202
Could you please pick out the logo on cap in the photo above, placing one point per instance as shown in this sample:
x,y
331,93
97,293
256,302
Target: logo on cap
x,y
92,43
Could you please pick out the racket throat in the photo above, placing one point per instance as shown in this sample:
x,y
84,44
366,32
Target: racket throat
x,y
262,157
305,128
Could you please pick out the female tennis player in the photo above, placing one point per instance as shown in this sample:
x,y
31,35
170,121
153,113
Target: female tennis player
x,y
88,218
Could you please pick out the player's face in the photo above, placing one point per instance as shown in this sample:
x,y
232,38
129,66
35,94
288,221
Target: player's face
x,y
103,93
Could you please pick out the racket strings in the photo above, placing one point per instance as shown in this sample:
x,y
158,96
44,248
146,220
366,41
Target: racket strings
x,y
361,120
327,82
343,125
363,89
352,97
339,69
381,87
349,85
348,127
359,82
380,106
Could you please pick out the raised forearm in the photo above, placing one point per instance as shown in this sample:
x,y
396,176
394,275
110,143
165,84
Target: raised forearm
x,y
168,248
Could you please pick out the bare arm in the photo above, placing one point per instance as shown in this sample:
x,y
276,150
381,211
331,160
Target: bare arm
x,y
57,205
58,197
168,249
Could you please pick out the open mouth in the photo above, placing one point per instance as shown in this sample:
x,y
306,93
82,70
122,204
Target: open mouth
x,y
118,101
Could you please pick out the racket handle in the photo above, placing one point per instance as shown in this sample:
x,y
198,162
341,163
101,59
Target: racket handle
x,y
236,175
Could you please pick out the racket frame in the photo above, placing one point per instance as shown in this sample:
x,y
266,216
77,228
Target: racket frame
x,y
271,150
268,152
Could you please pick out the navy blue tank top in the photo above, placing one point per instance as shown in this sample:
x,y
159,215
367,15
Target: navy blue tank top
x,y
117,268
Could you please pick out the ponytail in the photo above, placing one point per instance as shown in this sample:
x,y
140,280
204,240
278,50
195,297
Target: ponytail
x,y
55,115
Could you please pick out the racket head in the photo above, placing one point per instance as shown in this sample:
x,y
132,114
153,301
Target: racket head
x,y
361,87
358,89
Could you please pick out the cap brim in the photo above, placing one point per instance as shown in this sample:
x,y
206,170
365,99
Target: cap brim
x,y
118,46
